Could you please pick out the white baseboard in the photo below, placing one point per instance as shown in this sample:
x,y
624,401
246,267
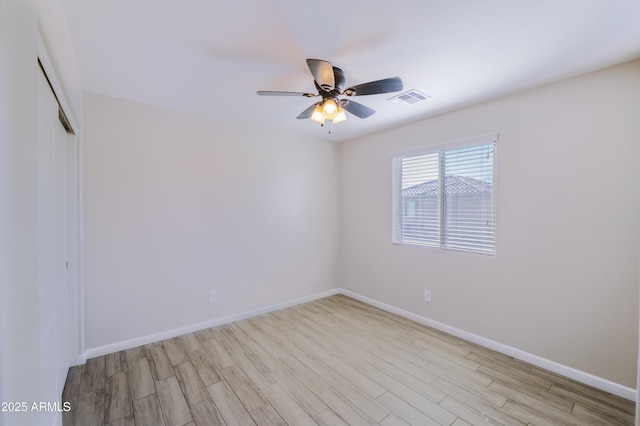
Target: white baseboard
x,y
168,334
563,370
572,373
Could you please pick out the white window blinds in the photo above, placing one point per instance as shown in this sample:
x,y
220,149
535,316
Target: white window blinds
x,y
446,197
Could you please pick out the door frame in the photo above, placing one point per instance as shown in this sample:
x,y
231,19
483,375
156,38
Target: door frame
x,y
74,207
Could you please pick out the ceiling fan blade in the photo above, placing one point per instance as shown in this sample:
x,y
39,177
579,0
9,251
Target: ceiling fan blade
x,y
277,93
307,112
385,85
356,109
322,72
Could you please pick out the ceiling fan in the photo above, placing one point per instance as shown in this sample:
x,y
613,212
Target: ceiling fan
x,y
329,80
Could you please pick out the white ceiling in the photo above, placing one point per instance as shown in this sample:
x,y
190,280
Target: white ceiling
x,y
210,57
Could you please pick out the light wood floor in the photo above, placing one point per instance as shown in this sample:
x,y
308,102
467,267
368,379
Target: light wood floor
x,y
334,361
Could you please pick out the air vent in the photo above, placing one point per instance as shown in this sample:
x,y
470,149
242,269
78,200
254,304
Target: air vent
x,y
410,97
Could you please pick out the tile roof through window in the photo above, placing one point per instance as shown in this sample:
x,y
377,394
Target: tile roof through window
x,y
453,185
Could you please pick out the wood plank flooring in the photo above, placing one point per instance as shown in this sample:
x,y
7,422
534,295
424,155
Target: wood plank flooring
x,y
334,361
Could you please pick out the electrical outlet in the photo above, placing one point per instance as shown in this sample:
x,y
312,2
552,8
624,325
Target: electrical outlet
x,y
427,296
213,297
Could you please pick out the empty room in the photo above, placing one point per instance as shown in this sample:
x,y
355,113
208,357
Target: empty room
x,y
319,213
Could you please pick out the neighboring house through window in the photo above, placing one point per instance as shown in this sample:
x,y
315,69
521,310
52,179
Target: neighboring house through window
x,y
444,195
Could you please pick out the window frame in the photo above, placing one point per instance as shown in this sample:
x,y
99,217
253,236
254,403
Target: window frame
x,y
439,148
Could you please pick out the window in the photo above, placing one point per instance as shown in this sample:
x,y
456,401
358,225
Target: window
x,y
444,196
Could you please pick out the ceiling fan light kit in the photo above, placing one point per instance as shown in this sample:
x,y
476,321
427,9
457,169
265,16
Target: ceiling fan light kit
x,y
328,110
340,116
329,81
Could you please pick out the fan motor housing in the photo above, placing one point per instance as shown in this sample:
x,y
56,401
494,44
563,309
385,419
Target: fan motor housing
x,y
328,92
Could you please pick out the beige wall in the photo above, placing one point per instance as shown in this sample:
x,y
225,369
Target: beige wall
x,y
178,205
564,283
19,328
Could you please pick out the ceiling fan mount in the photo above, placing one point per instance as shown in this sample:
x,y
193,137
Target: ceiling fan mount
x,y
330,81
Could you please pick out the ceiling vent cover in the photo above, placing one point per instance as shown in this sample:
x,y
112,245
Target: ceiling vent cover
x,y
411,97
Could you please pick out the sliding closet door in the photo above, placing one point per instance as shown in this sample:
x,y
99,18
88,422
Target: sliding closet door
x,y
53,296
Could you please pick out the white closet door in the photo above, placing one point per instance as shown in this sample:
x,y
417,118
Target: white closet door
x,y
52,253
